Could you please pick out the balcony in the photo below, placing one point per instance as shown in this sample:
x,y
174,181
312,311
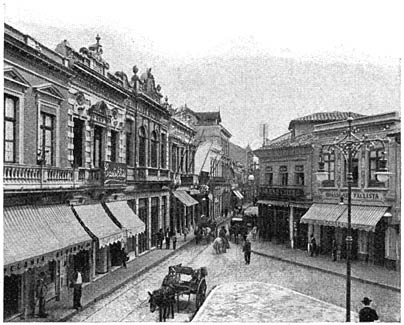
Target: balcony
x,y
188,179
282,192
24,177
148,174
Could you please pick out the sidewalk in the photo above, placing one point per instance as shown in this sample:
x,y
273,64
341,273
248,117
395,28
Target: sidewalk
x,y
105,285
360,271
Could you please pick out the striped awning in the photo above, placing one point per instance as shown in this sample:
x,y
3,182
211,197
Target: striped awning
x,y
95,218
323,214
126,217
185,198
238,194
362,217
34,235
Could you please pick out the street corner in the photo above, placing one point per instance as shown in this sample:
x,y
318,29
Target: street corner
x,y
261,302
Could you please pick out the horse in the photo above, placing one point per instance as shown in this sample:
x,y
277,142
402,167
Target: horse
x,y
219,245
164,300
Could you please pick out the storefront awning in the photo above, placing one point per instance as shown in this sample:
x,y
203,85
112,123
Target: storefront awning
x,y
323,214
34,235
362,217
99,223
238,194
185,198
126,217
251,211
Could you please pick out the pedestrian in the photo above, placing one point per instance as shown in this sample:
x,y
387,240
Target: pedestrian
x,y
247,250
185,231
334,250
41,291
313,246
160,237
367,313
167,238
254,232
174,237
125,257
77,289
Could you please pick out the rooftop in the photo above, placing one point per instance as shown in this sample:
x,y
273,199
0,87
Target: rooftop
x,y
208,116
324,117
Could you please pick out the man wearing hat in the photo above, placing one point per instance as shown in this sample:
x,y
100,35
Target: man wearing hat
x,y
367,313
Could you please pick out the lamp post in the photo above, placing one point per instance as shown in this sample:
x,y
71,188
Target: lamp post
x,y
349,145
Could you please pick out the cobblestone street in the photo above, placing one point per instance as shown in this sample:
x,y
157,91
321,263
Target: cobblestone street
x,y
130,302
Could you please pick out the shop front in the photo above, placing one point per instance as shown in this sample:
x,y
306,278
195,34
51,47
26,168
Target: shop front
x,y
127,220
368,223
183,209
39,239
105,232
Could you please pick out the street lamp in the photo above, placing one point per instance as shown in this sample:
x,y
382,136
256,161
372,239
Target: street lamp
x,y
349,145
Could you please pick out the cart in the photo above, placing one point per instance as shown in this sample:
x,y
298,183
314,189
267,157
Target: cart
x,y
187,281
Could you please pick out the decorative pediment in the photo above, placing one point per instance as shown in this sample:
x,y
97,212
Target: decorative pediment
x,y
49,90
11,74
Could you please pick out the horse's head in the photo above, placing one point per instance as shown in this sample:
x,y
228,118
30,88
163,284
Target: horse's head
x,y
152,301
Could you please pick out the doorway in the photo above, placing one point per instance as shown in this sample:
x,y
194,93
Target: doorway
x,y
12,295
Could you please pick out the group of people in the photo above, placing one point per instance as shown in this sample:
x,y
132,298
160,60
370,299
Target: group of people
x,y
313,248
42,289
169,236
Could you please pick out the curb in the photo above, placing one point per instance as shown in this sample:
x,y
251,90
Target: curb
x,y
135,275
385,286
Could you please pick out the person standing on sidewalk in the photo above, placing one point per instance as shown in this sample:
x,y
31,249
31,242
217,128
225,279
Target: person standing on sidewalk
x,y
367,313
313,246
174,237
41,291
185,231
160,237
334,250
77,289
247,250
167,238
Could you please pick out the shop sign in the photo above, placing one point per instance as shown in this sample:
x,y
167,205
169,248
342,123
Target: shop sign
x,y
356,195
280,193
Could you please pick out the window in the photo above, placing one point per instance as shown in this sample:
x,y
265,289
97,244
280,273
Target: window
x,y
142,147
268,176
283,170
129,143
174,158
97,152
78,130
299,175
181,166
153,149
46,139
355,172
374,158
329,167
114,146
163,150
186,162
10,112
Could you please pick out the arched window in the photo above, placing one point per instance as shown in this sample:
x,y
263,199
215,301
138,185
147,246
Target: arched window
x,y
153,149
142,146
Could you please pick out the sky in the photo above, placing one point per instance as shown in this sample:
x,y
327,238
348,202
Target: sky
x,y
255,61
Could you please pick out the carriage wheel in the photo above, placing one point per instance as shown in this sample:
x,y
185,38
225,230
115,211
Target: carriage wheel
x,y
200,293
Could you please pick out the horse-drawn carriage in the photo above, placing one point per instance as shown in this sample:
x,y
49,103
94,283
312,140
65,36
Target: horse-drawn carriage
x,y
180,280
205,232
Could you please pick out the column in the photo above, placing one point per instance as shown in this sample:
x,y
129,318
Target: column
x,y
137,236
291,228
149,221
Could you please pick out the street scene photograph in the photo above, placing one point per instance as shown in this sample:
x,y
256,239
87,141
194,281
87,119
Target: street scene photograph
x,y
201,161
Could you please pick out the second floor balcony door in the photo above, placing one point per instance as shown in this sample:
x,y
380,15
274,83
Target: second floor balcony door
x,y
78,142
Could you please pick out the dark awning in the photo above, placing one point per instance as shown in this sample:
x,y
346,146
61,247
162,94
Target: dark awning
x,y
238,194
34,235
185,198
127,218
99,223
362,217
323,214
